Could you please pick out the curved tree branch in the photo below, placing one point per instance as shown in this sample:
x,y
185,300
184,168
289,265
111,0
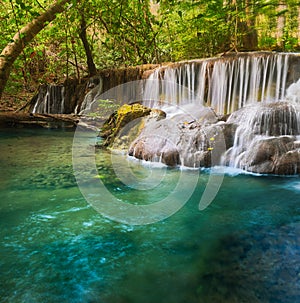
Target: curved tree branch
x,y
25,35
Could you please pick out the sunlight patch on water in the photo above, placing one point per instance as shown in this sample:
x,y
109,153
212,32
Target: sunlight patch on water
x,y
291,185
42,217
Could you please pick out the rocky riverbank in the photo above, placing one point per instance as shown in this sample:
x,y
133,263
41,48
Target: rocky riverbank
x,y
261,138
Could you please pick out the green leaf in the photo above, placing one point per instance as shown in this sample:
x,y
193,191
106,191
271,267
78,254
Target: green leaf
x,y
34,14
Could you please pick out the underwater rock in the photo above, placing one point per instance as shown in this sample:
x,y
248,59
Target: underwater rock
x,y
253,266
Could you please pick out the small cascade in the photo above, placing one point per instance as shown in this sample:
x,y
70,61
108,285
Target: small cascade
x,y
293,92
258,123
226,84
261,137
50,100
96,86
267,136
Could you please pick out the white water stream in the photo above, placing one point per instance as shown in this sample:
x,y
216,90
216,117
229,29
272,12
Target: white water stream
x,y
225,84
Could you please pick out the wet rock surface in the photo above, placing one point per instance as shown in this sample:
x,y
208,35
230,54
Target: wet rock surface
x,y
186,138
265,140
261,138
123,121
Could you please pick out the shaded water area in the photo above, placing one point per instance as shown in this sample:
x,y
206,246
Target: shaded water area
x,y
244,247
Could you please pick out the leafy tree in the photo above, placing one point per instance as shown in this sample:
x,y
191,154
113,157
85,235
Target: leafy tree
x,y
23,36
95,34
129,32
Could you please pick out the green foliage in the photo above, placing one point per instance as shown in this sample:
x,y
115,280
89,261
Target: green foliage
x,y
132,32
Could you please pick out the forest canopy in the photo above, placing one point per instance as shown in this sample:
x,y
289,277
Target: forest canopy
x,y
88,35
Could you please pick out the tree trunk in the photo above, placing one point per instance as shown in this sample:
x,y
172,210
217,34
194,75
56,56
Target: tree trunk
x,y
13,49
250,39
298,32
89,56
280,26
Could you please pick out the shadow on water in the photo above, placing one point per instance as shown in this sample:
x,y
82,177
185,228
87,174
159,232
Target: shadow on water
x,y
261,266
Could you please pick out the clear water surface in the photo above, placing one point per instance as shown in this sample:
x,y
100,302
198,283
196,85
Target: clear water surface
x,y
54,247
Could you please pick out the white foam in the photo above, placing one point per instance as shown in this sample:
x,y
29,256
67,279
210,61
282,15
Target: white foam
x,y
294,186
293,92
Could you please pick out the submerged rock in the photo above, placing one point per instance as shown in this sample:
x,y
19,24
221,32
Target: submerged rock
x,y
260,265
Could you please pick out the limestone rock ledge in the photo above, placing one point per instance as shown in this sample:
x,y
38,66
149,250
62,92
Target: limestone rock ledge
x,y
261,138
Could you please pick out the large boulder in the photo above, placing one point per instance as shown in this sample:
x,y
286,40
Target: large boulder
x,y
124,123
261,138
157,142
193,137
273,155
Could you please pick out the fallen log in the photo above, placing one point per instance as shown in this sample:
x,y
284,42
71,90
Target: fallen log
x,y
21,119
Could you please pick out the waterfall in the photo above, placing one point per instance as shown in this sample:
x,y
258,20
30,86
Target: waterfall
x,y
89,98
50,100
267,135
261,92
260,123
226,84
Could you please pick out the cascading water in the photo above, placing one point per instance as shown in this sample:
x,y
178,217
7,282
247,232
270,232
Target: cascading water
x,y
265,133
226,84
90,96
262,133
50,100
293,92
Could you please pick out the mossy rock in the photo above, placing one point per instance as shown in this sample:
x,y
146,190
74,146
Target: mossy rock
x,y
128,115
